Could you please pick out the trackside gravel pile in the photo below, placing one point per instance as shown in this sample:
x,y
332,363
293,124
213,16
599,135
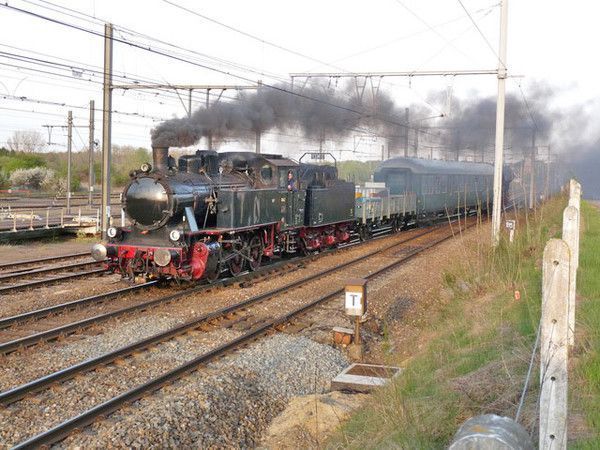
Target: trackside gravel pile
x,y
228,404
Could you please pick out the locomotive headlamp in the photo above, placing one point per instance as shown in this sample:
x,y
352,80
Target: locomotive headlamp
x,y
175,235
162,257
146,167
99,252
112,232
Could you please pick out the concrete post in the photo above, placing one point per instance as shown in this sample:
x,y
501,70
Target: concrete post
x,y
91,180
575,194
554,345
499,142
106,127
570,234
69,155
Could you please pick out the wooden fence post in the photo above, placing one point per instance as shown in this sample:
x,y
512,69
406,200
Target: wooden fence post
x,y
570,234
554,345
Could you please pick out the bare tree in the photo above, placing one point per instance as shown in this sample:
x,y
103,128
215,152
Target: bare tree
x,y
26,141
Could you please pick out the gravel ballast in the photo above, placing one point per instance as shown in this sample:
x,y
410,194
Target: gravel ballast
x,y
228,404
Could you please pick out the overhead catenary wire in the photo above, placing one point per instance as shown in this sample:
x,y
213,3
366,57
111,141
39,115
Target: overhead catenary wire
x,y
410,35
72,68
259,39
97,21
424,22
66,105
244,33
529,112
204,66
362,113
491,47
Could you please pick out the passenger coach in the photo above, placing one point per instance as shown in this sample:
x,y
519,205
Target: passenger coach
x,y
440,187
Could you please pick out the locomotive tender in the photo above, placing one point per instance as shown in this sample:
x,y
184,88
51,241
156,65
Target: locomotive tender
x,y
215,212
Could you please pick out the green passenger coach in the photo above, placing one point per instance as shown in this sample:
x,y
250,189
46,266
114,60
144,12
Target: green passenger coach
x,y
441,187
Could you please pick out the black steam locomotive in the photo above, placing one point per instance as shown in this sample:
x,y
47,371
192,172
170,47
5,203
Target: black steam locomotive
x,y
214,212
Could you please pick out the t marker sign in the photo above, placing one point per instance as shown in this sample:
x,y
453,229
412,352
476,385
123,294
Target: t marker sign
x,y
356,297
354,303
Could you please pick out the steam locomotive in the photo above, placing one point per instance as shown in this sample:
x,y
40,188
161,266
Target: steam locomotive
x,y
216,212
210,213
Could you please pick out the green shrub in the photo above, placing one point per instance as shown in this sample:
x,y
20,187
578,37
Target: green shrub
x,y
11,161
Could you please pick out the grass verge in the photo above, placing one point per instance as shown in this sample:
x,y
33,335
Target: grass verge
x,y
585,385
480,344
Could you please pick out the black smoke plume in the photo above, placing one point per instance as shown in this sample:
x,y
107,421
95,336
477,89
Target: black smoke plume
x,y
316,111
470,122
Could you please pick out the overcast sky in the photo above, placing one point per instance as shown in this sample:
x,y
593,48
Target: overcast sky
x,y
547,42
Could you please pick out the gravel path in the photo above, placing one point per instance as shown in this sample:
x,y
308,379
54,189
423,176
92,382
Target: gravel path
x,y
40,249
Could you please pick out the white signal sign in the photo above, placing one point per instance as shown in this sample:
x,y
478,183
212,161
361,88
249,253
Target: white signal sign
x,y
354,303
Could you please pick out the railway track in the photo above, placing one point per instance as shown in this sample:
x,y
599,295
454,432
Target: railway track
x,y
15,334
244,317
19,279
15,331
36,262
14,339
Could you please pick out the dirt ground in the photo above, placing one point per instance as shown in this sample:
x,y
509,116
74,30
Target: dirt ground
x,y
309,419
39,249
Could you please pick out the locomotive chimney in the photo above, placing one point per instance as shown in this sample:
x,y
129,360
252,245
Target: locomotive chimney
x,y
160,158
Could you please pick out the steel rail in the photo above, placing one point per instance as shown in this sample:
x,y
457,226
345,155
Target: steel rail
x,y
95,299
37,271
19,287
63,429
42,260
54,333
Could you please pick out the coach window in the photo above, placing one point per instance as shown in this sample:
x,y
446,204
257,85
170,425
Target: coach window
x,y
397,183
429,184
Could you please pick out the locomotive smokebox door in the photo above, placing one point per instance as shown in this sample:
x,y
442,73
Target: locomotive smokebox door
x,y
356,297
